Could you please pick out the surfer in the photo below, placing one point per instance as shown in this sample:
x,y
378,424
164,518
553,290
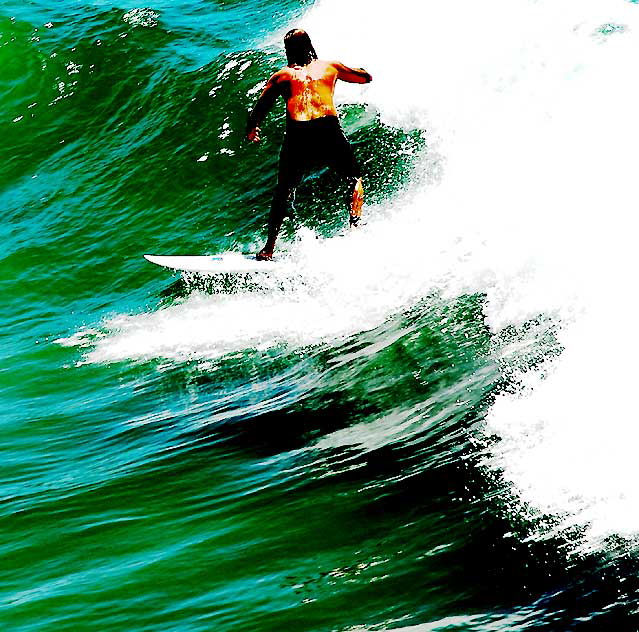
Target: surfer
x,y
313,133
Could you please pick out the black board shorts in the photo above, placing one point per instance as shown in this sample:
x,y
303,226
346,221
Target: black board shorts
x,y
316,143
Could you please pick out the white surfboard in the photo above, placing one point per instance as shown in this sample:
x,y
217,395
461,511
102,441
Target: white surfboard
x,y
227,263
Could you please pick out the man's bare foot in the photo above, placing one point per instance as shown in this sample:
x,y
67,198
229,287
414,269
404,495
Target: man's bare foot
x,y
262,255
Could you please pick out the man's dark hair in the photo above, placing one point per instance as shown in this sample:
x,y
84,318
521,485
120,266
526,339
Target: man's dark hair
x,y
299,50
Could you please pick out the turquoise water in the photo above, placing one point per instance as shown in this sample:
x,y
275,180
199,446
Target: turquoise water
x,y
246,454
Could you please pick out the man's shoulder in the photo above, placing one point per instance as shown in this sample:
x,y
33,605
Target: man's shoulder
x,y
281,73
324,68
328,64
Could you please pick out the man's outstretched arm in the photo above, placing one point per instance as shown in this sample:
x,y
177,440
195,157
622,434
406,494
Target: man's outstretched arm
x,y
352,75
264,103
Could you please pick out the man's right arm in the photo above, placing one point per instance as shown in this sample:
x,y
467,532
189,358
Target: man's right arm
x,y
351,75
264,103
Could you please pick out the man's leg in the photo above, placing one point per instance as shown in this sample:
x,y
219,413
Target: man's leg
x,y
282,198
290,172
339,155
356,202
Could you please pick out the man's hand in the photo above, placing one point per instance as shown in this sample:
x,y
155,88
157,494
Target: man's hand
x,y
253,135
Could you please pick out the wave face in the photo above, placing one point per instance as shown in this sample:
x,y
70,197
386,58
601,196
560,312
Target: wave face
x,y
424,424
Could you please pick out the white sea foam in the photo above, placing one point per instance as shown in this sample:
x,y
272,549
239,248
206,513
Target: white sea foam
x,y
534,107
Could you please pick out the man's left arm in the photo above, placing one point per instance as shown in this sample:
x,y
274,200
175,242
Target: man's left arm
x,y
351,75
264,104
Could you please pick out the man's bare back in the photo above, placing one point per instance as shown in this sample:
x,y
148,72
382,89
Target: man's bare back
x,y
308,91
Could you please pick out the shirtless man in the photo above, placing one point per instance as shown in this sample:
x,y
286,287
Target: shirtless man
x,y
313,133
